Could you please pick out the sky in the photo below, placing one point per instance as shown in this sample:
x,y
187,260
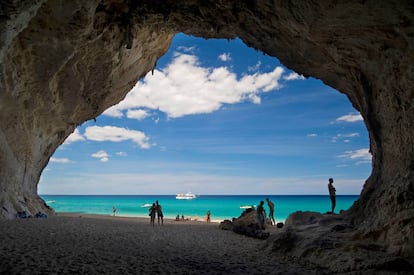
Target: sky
x,y
216,117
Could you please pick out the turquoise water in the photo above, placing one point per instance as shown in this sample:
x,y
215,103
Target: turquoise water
x,y
221,207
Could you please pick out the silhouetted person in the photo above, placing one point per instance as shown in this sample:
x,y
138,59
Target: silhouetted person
x,y
271,211
158,209
332,194
152,211
208,216
261,215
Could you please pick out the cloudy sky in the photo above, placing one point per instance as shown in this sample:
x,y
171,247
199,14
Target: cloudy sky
x,y
216,117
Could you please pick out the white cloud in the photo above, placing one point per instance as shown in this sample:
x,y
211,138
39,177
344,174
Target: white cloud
x,y
224,57
351,135
60,160
113,112
116,134
254,68
312,135
186,49
138,114
101,155
363,155
185,88
294,76
344,137
121,154
350,118
75,136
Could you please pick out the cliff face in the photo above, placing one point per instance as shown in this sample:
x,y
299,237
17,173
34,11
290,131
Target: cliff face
x,y
64,62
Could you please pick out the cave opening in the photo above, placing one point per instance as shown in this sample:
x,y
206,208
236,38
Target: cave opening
x,y
65,63
216,117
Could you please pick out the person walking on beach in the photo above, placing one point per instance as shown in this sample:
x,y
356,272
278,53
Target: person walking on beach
x,y
113,210
332,194
271,211
152,211
261,215
208,216
158,208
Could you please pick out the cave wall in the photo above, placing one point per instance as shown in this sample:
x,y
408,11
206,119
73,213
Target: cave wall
x,y
65,62
65,66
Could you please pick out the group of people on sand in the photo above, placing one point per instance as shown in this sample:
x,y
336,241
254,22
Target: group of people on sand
x,y
156,209
207,217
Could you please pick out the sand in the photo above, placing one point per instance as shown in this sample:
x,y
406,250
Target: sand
x,y
93,244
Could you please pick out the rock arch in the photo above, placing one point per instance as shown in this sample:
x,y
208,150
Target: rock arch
x,y
64,62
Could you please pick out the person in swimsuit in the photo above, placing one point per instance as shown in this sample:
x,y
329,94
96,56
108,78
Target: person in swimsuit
x,y
159,213
271,211
152,211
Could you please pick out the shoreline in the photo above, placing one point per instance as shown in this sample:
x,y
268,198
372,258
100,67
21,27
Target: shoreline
x,y
221,207
140,219
76,214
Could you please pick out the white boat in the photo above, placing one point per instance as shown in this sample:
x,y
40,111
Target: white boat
x,y
146,205
247,206
187,196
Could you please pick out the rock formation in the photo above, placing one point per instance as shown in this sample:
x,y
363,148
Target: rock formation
x,y
247,224
65,62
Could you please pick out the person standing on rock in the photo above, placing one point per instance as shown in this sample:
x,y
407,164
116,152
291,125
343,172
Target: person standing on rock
x,y
332,194
261,215
271,211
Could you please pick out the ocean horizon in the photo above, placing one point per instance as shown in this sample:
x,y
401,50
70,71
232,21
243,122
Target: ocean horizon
x,y
221,206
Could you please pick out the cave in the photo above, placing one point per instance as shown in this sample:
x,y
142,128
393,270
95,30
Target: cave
x,y
65,62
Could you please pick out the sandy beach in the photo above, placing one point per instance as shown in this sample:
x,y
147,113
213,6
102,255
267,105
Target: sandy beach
x,y
93,244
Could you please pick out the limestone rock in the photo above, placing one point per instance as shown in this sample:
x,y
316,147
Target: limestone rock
x,y
330,241
247,218
246,224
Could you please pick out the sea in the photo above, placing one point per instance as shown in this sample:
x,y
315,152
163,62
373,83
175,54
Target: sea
x,y
221,206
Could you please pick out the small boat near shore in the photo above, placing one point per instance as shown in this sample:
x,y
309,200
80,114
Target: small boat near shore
x,y
247,206
186,196
146,205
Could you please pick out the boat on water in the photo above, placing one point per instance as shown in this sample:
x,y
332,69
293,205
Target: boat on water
x,y
186,196
146,205
247,206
